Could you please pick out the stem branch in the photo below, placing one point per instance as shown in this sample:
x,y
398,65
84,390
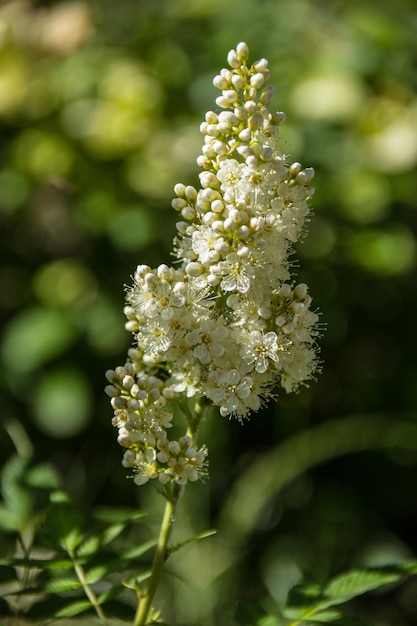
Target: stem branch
x,y
161,554
79,570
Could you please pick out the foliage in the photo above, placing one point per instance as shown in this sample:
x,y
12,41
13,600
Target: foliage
x,y
86,565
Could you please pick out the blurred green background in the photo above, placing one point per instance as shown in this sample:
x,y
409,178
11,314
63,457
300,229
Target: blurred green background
x,y
100,106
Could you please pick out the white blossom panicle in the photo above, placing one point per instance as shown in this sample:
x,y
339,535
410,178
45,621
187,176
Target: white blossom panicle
x,y
229,325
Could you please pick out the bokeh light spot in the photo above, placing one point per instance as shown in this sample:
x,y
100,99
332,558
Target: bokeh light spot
x,y
62,403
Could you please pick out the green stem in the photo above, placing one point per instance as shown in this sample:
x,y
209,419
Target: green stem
x,y
79,570
161,554
173,498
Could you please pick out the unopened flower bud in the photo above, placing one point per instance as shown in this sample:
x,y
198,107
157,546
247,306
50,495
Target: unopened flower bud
x,y
242,50
256,121
232,59
267,95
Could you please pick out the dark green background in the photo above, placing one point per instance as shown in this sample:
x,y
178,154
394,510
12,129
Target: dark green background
x,y
100,106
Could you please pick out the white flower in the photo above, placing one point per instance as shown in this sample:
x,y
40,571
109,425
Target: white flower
x,y
227,324
229,390
236,272
154,336
230,175
203,243
208,340
260,349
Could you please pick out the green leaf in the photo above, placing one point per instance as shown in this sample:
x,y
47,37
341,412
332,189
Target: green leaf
x,y
91,545
308,601
17,497
356,582
9,521
63,523
137,551
43,564
199,537
74,608
43,476
111,532
57,585
97,573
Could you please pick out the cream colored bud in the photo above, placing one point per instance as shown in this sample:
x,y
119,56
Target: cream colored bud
x,y
300,291
220,82
261,65
267,95
217,206
245,134
203,161
174,447
243,232
250,106
188,213
257,80
278,118
112,391
178,203
295,168
191,193
179,190
238,81
194,269
211,117
242,50
256,121
232,59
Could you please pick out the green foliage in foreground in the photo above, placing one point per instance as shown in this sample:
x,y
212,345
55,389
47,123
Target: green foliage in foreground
x,y
67,565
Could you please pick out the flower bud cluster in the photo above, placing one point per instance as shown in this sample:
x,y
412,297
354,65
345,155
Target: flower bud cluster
x,y
228,325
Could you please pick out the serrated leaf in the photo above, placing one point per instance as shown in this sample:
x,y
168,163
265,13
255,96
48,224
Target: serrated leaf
x,y
137,551
46,608
23,562
356,582
199,537
307,601
57,585
97,573
73,609
111,532
43,564
89,546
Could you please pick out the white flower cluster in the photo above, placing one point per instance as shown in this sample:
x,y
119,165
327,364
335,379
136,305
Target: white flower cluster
x,y
228,325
